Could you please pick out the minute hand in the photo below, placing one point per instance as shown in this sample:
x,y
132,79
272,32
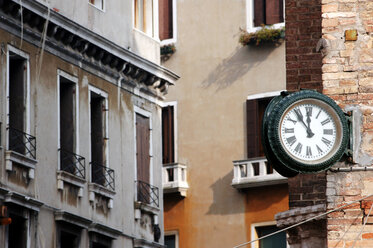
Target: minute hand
x,y
308,130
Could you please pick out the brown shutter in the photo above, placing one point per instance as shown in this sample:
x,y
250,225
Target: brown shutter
x,y
165,19
168,147
262,105
252,128
259,12
142,148
274,11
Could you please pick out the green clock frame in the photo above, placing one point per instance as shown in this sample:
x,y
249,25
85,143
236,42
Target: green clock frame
x,y
281,160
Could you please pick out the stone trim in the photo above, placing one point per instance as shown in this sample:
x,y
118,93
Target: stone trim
x,y
142,243
296,215
60,215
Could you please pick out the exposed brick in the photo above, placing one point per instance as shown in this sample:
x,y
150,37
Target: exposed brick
x,y
367,236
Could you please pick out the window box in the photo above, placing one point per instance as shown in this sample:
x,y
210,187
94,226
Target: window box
x,y
262,36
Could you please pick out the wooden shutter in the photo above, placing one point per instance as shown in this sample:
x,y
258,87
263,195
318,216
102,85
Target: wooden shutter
x,y
168,146
259,13
274,12
252,128
165,19
142,148
262,105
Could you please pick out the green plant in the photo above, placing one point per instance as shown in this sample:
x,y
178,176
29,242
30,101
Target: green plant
x,y
168,49
264,35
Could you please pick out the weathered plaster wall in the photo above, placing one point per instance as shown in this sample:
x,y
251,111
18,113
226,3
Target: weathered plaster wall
x,y
217,75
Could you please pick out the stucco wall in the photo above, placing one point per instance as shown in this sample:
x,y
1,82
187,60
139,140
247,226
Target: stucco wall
x,y
217,75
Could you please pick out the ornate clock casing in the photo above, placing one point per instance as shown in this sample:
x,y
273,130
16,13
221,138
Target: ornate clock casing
x,y
304,132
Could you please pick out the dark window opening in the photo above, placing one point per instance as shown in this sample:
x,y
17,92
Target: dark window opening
x,y
275,241
17,102
69,236
268,12
99,241
97,138
17,232
168,138
165,19
170,241
67,125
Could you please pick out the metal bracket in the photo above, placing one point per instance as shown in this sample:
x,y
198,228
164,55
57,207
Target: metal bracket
x,y
349,150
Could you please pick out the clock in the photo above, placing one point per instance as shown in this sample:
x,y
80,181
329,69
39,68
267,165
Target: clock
x,y
306,132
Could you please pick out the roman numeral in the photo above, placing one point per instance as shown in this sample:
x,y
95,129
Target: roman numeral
x,y
328,131
294,122
298,113
308,151
291,140
325,121
317,116
289,130
298,148
319,149
309,111
326,141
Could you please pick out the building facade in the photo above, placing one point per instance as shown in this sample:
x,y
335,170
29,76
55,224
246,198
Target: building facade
x,y
80,117
219,190
329,48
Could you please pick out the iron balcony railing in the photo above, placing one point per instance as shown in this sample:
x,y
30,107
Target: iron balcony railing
x,y
102,175
72,163
22,142
147,193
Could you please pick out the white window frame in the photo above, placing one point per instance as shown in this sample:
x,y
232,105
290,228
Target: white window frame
x,y
97,7
104,95
174,26
155,23
74,80
147,114
174,104
254,234
27,119
176,233
250,17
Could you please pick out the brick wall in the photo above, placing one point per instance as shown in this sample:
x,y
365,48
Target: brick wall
x,y
303,31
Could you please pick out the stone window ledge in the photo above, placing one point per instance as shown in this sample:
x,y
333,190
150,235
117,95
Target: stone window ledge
x,y
15,157
96,189
65,177
140,206
142,243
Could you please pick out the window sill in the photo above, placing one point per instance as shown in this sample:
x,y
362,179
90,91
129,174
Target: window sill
x,y
65,177
96,189
274,26
15,157
145,34
100,9
146,208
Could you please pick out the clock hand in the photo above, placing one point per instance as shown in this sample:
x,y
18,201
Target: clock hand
x,y
300,118
309,132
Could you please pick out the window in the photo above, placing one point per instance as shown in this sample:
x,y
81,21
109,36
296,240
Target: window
x,y
168,133
68,236
18,230
264,12
144,16
99,136
18,93
99,241
275,241
68,123
97,3
167,21
171,240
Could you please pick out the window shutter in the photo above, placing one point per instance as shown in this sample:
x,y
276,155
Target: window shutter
x,y
259,12
168,135
253,132
274,11
165,19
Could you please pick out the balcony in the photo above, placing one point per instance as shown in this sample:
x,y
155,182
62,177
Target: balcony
x,y
103,176
255,172
175,179
21,151
147,194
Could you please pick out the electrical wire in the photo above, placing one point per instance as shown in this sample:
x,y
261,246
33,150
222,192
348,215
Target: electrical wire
x,y
305,221
362,228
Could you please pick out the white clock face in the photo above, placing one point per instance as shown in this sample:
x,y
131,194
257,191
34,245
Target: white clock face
x,y
309,131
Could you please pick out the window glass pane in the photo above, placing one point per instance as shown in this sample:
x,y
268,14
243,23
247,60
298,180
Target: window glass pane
x,y
275,241
170,241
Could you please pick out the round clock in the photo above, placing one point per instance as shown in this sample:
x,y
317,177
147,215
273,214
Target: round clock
x,y
307,131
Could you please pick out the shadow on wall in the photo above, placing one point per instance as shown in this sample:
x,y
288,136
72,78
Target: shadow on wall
x,y
237,65
222,203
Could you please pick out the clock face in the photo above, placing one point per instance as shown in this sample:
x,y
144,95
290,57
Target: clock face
x,y
310,131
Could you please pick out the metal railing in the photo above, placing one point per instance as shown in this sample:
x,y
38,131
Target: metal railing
x,y
22,142
72,163
102,175
147,193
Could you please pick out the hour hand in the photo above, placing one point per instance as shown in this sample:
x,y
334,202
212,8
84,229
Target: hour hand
x,y
309,132
300,118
